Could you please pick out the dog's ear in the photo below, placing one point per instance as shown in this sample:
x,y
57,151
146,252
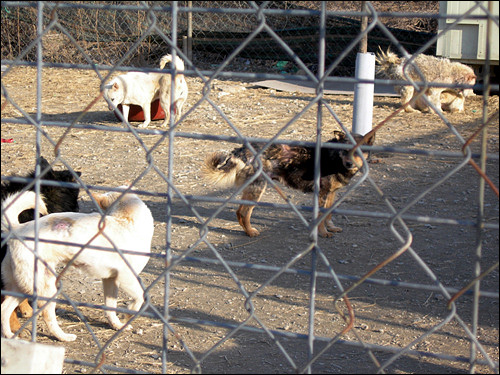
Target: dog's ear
x,y
43,162
371,140
72,178
338,135
115,85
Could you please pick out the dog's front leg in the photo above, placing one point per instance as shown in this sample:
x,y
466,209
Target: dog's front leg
x,y
125,108
406,95
252,193
146,108
434,95
48,289
49,315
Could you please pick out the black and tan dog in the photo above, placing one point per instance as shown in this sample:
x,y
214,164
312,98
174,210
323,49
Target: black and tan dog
x,y
292,166
54,199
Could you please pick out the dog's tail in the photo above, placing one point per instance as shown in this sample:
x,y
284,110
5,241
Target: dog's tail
x,y
223,169
16,203
179,64
387,63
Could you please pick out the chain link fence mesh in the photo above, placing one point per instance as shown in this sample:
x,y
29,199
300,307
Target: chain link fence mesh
x,y
250,40
104,35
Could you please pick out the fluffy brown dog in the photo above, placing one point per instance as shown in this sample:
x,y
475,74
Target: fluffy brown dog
x,y
433,69
292,166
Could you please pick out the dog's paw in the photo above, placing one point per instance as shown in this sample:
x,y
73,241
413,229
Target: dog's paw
x,y
252,232
8,335
333,228
143,125
67,337
119,325
325,234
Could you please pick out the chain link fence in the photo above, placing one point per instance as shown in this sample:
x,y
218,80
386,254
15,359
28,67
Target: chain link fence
x,y
250,331
106,32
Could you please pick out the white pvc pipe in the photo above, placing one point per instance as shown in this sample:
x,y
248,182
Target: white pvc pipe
x,y
363,94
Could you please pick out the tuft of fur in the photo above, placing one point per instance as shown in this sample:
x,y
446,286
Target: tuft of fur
x,y
388,64
222,169
429,69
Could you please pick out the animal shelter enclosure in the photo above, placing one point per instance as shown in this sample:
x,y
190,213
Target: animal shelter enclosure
x,y
409,285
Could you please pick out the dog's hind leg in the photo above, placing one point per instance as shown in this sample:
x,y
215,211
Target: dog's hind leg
x,y
165,99
252,193
326,228
110,287
9,304
131,286
434,95
25,309
179,103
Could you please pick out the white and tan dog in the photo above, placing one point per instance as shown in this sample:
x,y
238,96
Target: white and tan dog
x,y
433,70
142,89
128,226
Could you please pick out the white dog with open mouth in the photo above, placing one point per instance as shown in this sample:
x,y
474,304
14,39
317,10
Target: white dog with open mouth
x,y
127,225
142,89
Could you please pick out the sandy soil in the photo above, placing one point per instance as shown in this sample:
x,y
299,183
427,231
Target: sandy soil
x,y
204,290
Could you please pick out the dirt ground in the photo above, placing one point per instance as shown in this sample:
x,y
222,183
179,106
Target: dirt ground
x,y
391,316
